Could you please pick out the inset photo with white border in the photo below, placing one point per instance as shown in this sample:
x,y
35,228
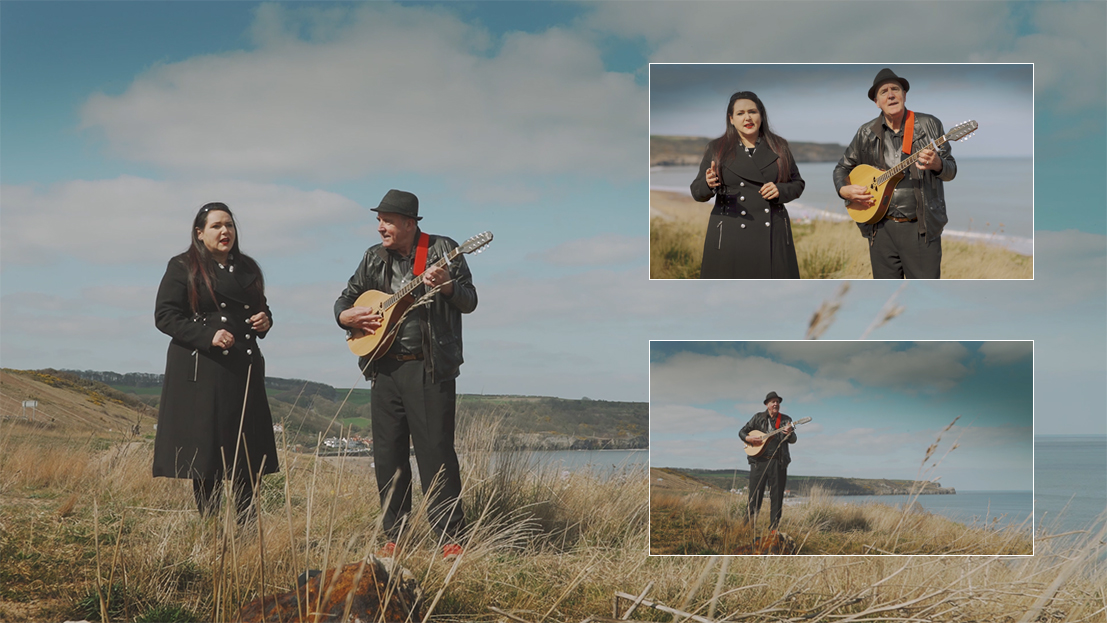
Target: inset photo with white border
x,y
779,171
841,447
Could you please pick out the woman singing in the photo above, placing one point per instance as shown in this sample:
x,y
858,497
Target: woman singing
x,y
212,303
751,173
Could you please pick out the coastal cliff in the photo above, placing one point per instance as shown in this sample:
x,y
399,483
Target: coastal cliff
x,y
800,485
688,150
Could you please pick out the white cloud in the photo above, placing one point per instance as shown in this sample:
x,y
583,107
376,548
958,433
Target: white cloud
x,y
381,89
1005,353
1065,41
704,31
919,366
702,379
133,219
679,420
602,250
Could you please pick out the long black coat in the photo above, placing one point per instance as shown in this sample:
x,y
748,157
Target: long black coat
x,y
748,237
201,398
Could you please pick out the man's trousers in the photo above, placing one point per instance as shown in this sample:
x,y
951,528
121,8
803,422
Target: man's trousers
x,y
774,474
898,250
408,409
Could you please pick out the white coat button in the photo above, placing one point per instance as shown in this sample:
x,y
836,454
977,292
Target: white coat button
x,y
766,224
226,352
245,307
741,183
743,212
766,210
247,336
223,318
222,305
741,198
249,352
743,225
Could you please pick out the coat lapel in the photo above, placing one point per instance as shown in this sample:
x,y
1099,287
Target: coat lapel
x,y
753,169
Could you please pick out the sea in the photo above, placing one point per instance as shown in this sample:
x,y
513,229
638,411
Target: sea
x,y
997,509
603,463
991,199
1070,482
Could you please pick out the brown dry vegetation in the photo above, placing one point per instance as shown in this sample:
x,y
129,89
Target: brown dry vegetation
x,y
824,249
713,522
85,531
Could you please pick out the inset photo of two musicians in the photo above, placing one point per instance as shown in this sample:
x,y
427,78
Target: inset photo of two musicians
x,y
841,171
842,448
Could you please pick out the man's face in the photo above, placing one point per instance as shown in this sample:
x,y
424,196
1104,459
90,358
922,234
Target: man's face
x,y
891,99
773,406
397,231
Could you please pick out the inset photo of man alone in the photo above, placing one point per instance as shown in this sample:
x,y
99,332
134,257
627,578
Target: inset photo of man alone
x,y
827,448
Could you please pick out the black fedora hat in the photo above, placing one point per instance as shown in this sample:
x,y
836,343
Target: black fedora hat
x,y
400,202
770,396
886,75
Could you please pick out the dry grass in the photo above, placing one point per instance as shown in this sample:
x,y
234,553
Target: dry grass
x,y
714,523
544,547
824,249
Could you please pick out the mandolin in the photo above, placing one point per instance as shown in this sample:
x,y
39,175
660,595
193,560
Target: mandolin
x,y
765,437
880,184
392,307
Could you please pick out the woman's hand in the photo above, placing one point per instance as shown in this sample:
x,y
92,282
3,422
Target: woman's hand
x,y
770,191
712,175
223,339
260,322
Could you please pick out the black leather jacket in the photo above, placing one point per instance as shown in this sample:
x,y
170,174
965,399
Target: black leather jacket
x,y
441,322
866,148
777,446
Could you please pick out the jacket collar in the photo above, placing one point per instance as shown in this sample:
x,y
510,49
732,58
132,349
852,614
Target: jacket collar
x,y
752,168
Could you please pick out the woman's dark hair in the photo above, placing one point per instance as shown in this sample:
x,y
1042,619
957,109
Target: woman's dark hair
x,y
201,265
729,141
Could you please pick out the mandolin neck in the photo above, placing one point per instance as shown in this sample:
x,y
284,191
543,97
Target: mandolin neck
x,y
896,170
416,282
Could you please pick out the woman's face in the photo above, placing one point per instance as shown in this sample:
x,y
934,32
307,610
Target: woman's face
x,y
745,118
218,233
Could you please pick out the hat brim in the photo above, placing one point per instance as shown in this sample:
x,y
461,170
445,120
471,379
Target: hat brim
x,y
902,82
393,211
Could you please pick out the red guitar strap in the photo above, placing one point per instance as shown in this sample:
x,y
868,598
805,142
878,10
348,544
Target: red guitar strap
x,y
421,254
908,132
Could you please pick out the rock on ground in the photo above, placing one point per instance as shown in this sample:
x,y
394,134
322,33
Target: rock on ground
x,y
381,591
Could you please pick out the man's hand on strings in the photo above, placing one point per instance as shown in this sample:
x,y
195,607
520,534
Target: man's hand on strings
x,y
436,276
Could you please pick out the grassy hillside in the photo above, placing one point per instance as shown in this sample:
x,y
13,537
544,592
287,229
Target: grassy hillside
x,y
71,405
713,522
308,410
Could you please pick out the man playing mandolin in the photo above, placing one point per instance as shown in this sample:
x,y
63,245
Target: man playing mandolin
x,y
769,466
907,241
414,392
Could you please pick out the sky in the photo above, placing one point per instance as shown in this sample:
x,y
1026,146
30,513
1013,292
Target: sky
x,y
827,103
875,407
531,120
